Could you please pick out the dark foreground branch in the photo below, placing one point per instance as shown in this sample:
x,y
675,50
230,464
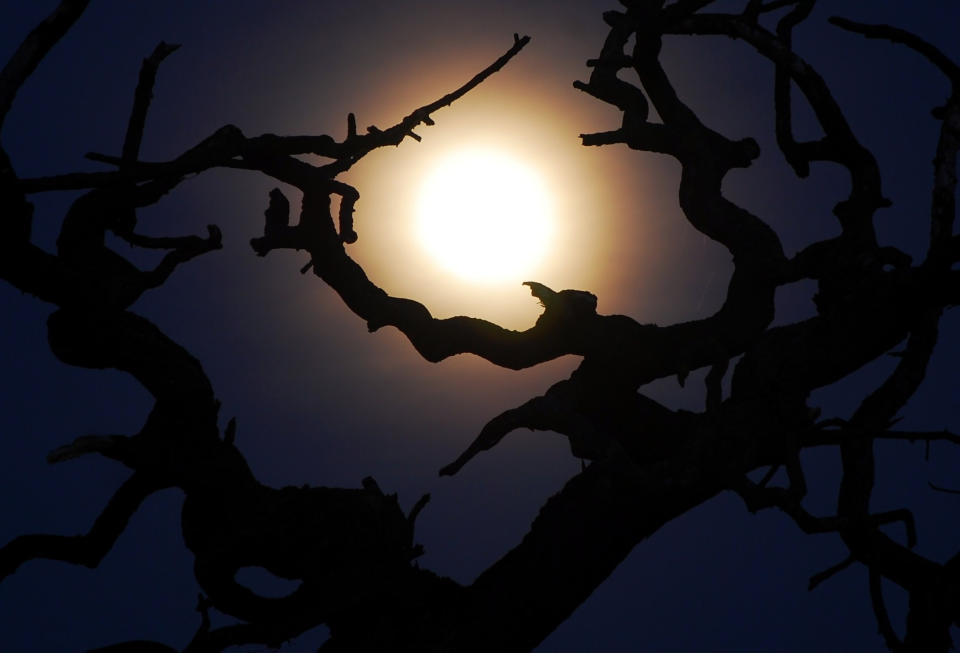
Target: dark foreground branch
x,y
34,48
87,550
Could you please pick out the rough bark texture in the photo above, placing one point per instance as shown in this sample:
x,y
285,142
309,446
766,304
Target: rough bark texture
x,y
353,548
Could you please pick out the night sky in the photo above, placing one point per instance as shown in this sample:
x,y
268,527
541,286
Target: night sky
x,y
320,401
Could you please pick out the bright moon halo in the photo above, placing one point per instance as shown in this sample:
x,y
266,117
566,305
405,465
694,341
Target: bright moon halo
x,y
485,216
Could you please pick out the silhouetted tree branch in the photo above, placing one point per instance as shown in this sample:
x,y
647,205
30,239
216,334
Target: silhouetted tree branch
x,y
352,549
34,48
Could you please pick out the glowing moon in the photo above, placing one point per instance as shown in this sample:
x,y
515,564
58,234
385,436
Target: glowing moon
x,y
485,216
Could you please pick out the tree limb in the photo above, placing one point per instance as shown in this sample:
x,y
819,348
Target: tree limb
x,y
87,550
34,48
141,100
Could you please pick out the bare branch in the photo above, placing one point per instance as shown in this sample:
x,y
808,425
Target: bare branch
x,y
550,412
912,41
943,207
353,149
880,610
788,501
129,342
763,482
34,48
713,382
879,409
417,508
839,145
583,533
875,413
830,572
218,149
945,490
87,550
650,464
931,614
141,100
782,82
604,83
111,446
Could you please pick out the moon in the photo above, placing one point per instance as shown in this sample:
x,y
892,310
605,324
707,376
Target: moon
x,y
485,216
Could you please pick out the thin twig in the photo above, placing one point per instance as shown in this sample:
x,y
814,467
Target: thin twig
x,y
945,490
912,41
880,610
830,572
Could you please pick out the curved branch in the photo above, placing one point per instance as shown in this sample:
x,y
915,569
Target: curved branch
x,y
706,157
357,146
87,550
226,144
875,413
552,411
783,110
839,144
604,83
556,333
34,48
828,573
881,407
880,611
788,500
129,342
576,541
943,207
116,447
912,41
930,616
141,100
218,149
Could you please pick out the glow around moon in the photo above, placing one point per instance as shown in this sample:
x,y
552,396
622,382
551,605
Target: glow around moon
x,y
485,216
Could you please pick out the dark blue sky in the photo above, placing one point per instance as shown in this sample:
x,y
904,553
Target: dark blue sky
x,y
318,400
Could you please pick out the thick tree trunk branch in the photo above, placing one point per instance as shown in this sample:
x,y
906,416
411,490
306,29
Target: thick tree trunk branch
x,y
577,540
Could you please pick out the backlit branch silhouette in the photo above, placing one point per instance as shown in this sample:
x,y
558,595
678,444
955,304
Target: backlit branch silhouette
x,y
353,549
